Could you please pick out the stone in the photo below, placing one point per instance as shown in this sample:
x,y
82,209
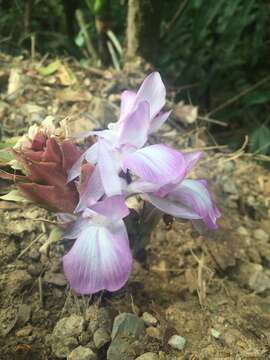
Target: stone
x,y
242,231
24,332
153,332
149,319
215,333
98,318
65,334
127,330
18,280
261,235
254,276
128,325
177,342
24,314
82,353
57,279
148,356
101,337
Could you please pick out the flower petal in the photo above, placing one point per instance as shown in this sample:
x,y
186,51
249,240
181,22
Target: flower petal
x,y
127,102
195,195
93,191
134,129
192,158
171,207
153,91
158,121
114,208
99,259
158,164
109,169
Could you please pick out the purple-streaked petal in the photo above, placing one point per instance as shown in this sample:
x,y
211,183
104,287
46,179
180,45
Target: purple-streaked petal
x,y
113,208
191,159
109,169
74,230
99,259
141,186
93,191
134,129
153,91
171,207
127,102
158,121
158,164
195,195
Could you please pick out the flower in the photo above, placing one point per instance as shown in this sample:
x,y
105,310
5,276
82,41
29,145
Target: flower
x,y
45,161
100,257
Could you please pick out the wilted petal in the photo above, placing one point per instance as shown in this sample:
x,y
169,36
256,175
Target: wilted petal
x,y
158,164
99,259
127,102
113,208
195,195
191,159
153,91
158,121
109,169
134,129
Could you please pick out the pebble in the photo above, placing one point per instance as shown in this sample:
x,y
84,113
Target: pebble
x,y
241,230
127,324
149,319
57,279
65,335
101,337
24,332
148,356
261,235
215,333
17,280
153,332
24,314
82,353
177,342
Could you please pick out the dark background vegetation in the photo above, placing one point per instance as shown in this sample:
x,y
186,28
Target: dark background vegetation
x,y
217,50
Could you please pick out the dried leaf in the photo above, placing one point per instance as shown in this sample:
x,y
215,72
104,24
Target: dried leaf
x,y
49,69
14,195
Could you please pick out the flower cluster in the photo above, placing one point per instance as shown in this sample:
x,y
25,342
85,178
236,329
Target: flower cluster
x,y
124,165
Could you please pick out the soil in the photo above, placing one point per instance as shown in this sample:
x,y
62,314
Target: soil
x,y
212,288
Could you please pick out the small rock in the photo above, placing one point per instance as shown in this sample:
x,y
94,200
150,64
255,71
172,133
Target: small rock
x,y
98,318
128,325
148,356
149,319
35,269
215,333
57,279
261,235
101,337
24,332
254,276
82,353
230,187
242,231
18,280
65,334
69,326
24,314
177,342
153,332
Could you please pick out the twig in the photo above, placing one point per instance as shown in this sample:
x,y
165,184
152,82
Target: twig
x,y
204,148
237,97
173,20
28,247
88,42
218,122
